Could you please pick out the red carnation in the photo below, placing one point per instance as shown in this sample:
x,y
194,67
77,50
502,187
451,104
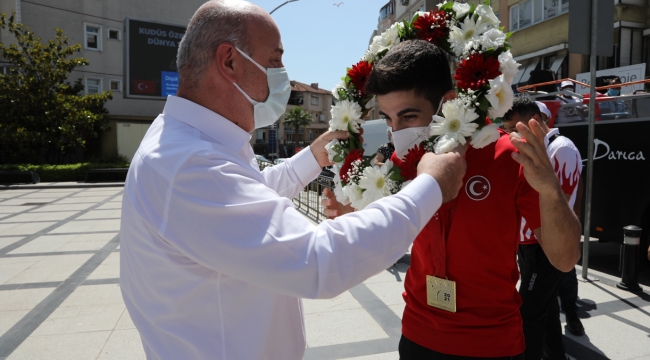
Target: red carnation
x,y
359,75
354,155
431,26
475,72
409,167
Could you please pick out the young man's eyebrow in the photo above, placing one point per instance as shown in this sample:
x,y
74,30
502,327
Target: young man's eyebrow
x,y
383,113
407,110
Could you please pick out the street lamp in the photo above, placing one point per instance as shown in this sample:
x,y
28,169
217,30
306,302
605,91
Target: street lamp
x,y
284,3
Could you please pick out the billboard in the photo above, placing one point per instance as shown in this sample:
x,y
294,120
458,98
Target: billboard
x,y
626,73
150,59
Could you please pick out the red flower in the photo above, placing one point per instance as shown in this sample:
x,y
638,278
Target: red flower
x,y
359,75
409,167
432,26
475,72
354,155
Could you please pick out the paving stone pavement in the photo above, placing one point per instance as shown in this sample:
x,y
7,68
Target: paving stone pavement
x,y
60,295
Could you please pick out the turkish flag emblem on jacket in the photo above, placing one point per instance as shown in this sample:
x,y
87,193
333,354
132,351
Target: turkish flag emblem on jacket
x,y
144,87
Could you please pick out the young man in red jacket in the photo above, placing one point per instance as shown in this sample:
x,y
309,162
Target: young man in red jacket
x,y
473,239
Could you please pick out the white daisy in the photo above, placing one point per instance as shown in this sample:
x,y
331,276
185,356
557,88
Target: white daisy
x,y
465,36
486,136
486,15
385,41
346,115
509,67
375,182
456,124
500,97
493,39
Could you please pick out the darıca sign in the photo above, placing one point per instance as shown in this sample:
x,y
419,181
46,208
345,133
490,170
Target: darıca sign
x,y
150,61
626,73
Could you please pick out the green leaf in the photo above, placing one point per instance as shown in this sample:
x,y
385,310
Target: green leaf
x,y
508,35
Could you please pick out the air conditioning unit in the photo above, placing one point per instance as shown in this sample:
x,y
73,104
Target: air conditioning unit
x,y
405,2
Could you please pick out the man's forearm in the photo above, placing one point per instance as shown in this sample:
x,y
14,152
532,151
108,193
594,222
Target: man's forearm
x,y
559,235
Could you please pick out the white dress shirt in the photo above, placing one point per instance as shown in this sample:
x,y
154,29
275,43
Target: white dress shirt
x,y
214,256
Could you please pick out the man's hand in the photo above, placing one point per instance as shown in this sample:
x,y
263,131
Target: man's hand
x,y
318,146
333,208
448,170
533,157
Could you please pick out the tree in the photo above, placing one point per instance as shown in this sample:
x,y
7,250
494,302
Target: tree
x,y
41,113
296,118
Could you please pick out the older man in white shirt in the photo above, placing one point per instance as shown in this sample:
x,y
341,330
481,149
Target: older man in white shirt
x,y
214,256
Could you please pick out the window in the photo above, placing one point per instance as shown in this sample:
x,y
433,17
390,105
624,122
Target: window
x,y
311,135
93,86
116,85
93,37
530,12
321,117
314,99
114,34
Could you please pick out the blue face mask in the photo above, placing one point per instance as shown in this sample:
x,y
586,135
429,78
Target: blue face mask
x,y
613,92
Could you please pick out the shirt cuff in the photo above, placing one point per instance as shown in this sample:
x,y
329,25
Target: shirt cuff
x,y
305,165
426,194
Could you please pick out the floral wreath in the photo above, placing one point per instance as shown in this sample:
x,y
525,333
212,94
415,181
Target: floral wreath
x,y
484,74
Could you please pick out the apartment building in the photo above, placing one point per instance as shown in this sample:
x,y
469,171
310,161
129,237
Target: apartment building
x,y
541,36
99,26
312,99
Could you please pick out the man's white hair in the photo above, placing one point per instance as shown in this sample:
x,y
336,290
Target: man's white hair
x,y
213,24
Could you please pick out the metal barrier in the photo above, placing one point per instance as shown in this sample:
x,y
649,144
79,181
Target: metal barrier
x,y
308,201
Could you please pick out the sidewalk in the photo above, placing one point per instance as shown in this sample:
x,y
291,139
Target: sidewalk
x,y
60,296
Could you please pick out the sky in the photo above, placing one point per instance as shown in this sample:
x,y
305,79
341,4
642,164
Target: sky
x,y
320,39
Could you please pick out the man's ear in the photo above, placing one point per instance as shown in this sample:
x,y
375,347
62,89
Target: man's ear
x,y
225,62
449,95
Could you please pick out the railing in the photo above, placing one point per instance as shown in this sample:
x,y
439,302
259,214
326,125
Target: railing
x,y
308,201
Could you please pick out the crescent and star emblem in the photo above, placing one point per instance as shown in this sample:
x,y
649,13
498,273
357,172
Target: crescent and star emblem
x,y
140,86
477,188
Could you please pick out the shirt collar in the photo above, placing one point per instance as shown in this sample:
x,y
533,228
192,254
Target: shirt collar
x,y
554,131
207,122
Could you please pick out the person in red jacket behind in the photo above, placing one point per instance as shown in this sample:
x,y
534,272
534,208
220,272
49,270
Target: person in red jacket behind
x,y
473,239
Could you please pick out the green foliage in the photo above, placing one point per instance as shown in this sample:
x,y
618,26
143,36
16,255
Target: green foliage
x,y
57,173
40,111
296,118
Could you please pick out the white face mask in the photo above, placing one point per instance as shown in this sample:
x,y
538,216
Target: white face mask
x,y
268,112
407,138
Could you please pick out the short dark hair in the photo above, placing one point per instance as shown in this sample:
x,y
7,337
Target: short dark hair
x,y
412,65
524,106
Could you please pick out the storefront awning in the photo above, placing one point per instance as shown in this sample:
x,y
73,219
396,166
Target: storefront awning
x,y
557,63
522,69
531,66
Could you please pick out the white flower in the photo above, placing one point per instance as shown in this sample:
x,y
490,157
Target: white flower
x,y
461,9
493,39
339,86
500,97
465,36
444,144
346,115
486,15
339,190
383,42
457,123
355,194
509,67
375,182
331,149
486,136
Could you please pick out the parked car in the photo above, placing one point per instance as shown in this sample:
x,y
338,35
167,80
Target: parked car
x,y
261,158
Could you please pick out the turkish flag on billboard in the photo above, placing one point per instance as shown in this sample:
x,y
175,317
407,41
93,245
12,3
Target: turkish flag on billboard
x,y
144,87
